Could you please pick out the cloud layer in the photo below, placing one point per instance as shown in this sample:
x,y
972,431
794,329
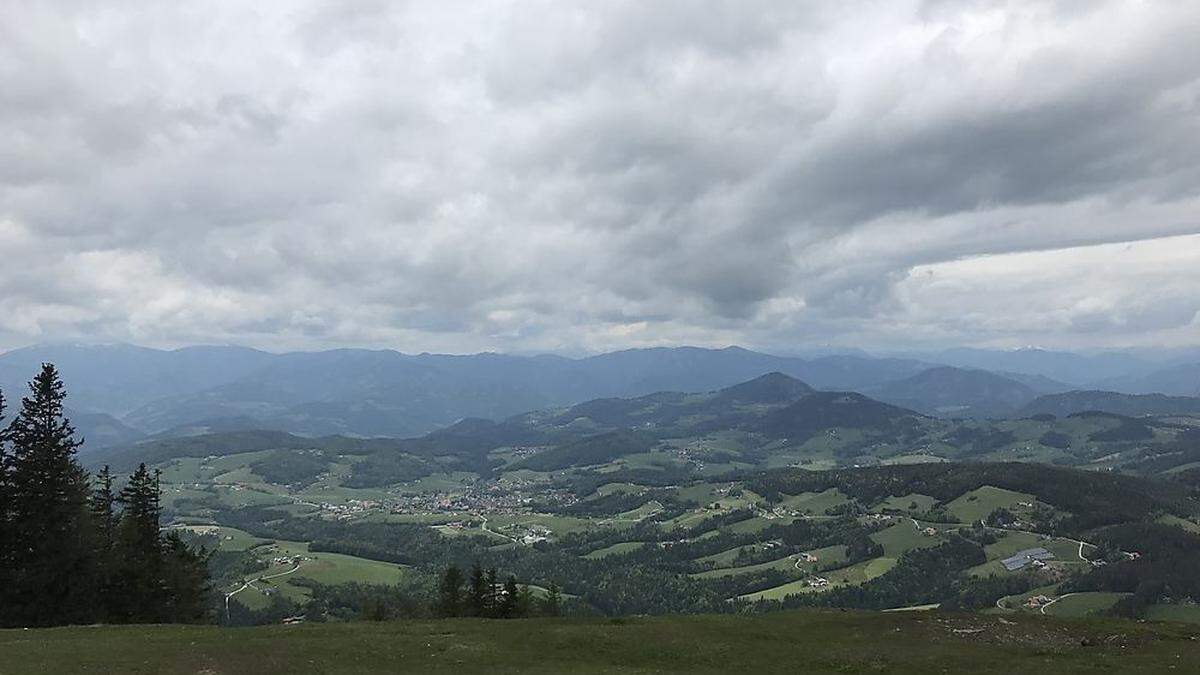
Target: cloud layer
x,y
460,176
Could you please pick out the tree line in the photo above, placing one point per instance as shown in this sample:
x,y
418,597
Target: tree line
x,y
482,595
73,548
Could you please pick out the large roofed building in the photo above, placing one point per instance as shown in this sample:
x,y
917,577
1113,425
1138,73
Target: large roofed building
x,y
1022,558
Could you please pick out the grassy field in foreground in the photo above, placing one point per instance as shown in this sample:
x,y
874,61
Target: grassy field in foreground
x,y
814,641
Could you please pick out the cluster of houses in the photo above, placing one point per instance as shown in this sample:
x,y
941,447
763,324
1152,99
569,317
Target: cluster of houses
x,y
532,534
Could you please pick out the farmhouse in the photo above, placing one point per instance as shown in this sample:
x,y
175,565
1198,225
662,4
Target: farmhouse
x,y
1022,558
1037,601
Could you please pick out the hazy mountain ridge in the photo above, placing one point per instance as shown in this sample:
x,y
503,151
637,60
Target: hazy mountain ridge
x,y
386,393
116,379
1182,379
1134,405
947,391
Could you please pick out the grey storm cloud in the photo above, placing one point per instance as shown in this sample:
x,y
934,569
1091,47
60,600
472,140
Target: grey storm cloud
x,y
459,176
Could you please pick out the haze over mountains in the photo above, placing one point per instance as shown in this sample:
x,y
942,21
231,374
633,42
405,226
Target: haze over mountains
x,y
119,393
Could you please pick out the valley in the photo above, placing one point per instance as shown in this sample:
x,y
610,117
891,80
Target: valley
x,y
764,495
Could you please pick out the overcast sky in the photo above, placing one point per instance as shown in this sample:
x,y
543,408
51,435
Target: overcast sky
x,y
554,176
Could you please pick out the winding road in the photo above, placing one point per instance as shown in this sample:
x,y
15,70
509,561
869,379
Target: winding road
x,y
1056,600
485,528
250,584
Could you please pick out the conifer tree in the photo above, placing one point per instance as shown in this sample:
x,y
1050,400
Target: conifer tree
x,y
478,593
6,540
103,508
551,603
524,604
139,548
158,578
184,582
65,555
49,562
508,599
492,604
104,539
450,592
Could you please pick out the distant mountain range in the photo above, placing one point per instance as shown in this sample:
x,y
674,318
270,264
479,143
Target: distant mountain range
x,y
771,420
121,392
772,409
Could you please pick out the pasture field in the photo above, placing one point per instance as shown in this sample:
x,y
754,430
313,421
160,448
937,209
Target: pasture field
x,y
558,525
783,642
815,503
1181,613
756,524
1083,604
844,576
915,503
784,564
727,558
615,549
227,538
977,504
902,538
321,567
644,511
1188,525
1065,551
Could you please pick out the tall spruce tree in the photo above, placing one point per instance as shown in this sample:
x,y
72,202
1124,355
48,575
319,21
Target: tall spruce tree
x,y
478,593
493,593
138,591
185,583
158,578
509,599
66,556
450,592
551,603
104,540
50,562
6,540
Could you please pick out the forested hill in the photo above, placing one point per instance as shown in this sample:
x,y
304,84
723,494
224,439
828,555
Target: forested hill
x,y
957,392
1133,405
1094,499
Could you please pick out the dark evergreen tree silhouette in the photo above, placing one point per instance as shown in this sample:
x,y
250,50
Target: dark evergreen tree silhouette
x,y
477,593
104,524
508,599
524,604
552,602
66,554
6,539
450,592
50,568
493,594
139,546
